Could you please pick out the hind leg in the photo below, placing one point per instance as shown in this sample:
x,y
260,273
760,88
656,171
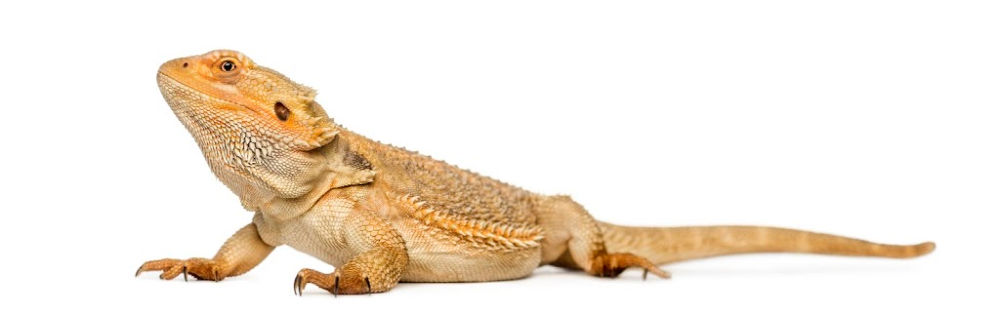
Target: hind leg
x,y
574,240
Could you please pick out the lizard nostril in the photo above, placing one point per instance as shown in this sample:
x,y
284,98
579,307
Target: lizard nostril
x,y
185,64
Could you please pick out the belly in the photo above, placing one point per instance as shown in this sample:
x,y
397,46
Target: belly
x,y
437,257
434,255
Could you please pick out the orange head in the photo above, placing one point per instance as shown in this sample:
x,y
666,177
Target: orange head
x,y
250,121
231,83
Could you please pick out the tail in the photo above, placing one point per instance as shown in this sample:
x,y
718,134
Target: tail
x,y
667,245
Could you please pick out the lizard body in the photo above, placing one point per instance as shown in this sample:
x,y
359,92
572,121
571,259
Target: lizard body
x,y
382,215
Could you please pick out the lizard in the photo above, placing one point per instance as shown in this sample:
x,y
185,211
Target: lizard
x,y
381,215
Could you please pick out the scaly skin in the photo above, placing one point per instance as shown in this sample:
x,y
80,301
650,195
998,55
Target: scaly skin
x,y
382,215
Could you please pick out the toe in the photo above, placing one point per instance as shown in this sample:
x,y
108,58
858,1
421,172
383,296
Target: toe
x,y
612,265
308,276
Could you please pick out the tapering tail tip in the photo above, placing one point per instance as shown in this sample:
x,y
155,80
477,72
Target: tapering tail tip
x,y
923,249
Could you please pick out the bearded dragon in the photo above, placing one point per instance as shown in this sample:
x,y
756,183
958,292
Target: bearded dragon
x,y
383,215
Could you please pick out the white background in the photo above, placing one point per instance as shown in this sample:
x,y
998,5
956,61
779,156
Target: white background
x,y
875,119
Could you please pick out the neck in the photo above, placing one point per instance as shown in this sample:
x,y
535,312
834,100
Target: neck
x,y
340,166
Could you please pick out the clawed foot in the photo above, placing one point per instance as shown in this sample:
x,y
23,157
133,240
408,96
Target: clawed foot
x,y
612,265
199,268
336,283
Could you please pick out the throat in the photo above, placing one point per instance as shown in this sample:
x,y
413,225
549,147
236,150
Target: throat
x,y
280,208
340,167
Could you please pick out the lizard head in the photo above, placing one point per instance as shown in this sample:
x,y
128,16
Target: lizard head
x,y
228,83
255,126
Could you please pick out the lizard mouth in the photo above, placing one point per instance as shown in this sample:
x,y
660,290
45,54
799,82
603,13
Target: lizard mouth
x,y
174,87
170,87
168,83
162,78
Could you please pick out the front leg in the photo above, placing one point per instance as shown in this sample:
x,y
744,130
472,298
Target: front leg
x,y
377,269
242,252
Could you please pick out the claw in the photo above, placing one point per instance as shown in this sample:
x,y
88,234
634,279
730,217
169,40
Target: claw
x,y
644,273
138,271
369,283
185,271
301,283
215,272
336,285
295,285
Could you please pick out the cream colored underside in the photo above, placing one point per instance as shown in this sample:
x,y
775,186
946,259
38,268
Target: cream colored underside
x,y
433,256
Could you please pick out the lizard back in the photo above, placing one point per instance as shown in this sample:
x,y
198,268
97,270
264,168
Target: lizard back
x,y
484,212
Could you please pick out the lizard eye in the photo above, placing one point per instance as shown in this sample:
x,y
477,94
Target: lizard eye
x,y
281,111
227,66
